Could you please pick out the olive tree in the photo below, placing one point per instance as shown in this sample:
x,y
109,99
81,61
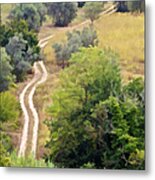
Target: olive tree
x,y
62,12
22,56
29,13
76,39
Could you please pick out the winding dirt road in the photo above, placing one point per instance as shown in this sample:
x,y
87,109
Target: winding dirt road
x,y
39,78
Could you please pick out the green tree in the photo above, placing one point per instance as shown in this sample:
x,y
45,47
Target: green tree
x,y
92,10
17,48
6,77
29,13
96,121
18,27
22,54
93,76
62,12
21,45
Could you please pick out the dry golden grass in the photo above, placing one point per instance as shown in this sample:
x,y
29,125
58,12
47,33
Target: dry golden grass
x,y
124,33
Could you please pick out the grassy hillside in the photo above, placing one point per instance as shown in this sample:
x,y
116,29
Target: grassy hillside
x,y
124,33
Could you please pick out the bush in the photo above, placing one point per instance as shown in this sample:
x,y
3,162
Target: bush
x,y
62,12
9,108
5,148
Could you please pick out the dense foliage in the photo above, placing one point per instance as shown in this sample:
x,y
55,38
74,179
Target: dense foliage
x,y
76,39
6,78
97,122
21,45
33,14
62,12
92,10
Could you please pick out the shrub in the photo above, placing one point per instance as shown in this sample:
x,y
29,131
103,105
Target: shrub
x,y
85,38
9,108
5,147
